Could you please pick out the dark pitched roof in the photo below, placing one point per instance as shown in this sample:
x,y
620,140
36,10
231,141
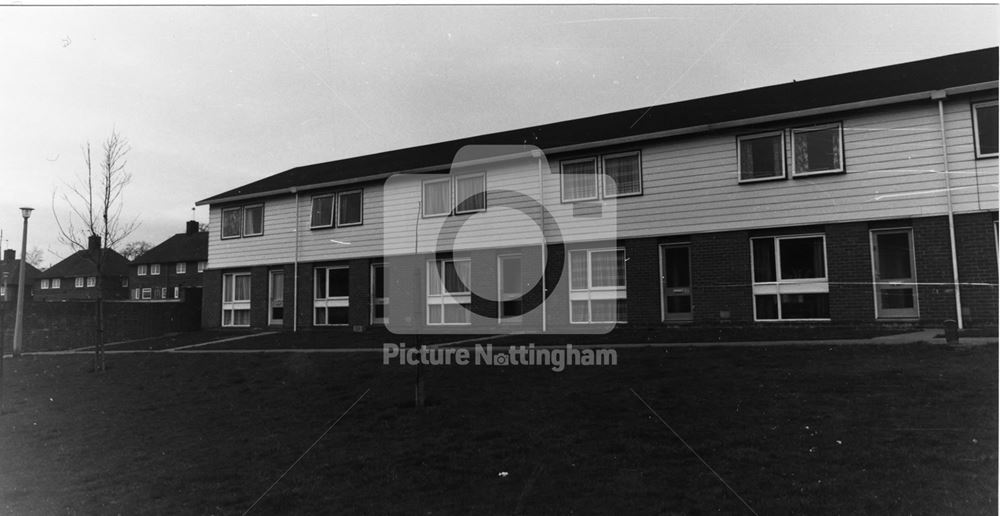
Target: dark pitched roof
x,y
11,267
975,67
182,247
83,263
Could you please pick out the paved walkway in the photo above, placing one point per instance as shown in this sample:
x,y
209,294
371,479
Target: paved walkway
x,y
920,337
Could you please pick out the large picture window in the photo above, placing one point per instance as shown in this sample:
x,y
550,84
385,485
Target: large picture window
x,y
984,115
332,296
349,212
789,278
235,299
597,286
817,150
449,295
622,174
761,156
579,179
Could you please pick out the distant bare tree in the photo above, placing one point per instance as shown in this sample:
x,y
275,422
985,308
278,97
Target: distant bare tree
x,y
136,249
203,226
35,257
94,204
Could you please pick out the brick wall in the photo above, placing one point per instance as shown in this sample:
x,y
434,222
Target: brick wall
x,y
720,275
975,239
849,271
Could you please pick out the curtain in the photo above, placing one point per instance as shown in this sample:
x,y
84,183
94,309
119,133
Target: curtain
x,y
578,270
322,211
622,175
350,208
470,194
579,180
436,197
607,269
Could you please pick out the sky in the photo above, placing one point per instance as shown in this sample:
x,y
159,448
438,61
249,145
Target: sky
x,y
213,97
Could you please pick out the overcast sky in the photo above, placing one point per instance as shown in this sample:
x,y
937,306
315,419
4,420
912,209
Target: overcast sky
x,y
214,97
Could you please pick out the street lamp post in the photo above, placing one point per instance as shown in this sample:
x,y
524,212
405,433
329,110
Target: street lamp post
x,y
19,318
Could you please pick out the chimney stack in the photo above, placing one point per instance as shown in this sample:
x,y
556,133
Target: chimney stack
x,y
94,243
8,255
192,227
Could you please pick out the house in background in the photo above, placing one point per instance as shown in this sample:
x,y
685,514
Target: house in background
x,y
75,278
807,206
170,269
11,268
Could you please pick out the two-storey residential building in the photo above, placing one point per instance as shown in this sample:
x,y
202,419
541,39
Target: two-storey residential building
x,y
76,277
862,199
170,269
10,269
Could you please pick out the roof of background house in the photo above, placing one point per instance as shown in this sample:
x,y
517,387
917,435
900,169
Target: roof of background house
x,y
182,247
83,263
967,68
11,267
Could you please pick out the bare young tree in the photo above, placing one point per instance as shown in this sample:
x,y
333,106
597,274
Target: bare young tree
x,y
94,204
35,257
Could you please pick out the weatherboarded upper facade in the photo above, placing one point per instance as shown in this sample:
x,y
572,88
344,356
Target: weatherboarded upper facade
x,y
852,175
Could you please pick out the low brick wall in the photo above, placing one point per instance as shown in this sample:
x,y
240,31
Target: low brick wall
x,y
72,324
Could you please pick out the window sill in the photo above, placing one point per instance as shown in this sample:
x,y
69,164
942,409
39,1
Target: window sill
x,y
762,179
818,173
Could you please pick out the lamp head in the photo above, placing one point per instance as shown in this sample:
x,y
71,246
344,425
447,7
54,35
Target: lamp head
x,y
26,212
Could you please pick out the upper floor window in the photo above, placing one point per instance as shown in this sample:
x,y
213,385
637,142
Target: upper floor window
x,y
322,212
350,208
56,282
817,150
579,179
45,284
180,268
91,281
470,193
244,221
622,174
124,282
437,197
78,282
201,266
154,269
984,116
141,270
761,156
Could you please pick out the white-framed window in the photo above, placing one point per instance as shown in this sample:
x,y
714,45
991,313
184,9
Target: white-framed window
x,y
449,294
201,266
141,270
818,150
136,293
380,298
181,268
984,117
350,208
243,221
622,174
78,282
761,156
579,179
322,212
45,284
147,293
790,278
235,299
437,197
232,222
91,281
597,291
470,193
163,292
510,288
253,220
154,269
56,282
331,299
177,292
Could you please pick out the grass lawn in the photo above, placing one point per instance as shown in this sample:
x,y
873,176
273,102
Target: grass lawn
x,y
793,430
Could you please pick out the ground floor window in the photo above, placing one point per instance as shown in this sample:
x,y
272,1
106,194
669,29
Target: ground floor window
x,y
332,296
510,287
789,278
147,293
449,292
235,299
597,286
380,300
